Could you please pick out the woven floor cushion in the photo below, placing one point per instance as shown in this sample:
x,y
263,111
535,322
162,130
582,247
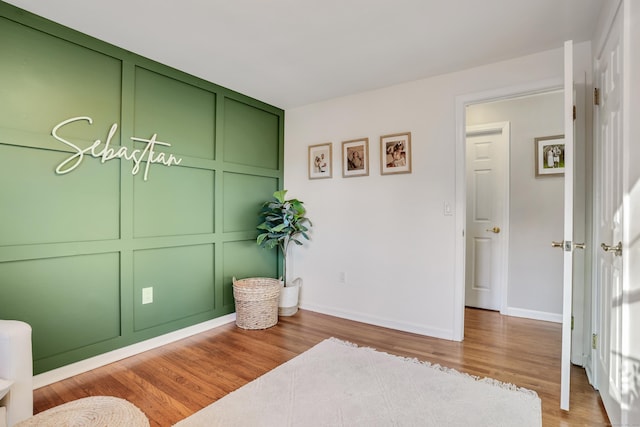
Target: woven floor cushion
x,y
95,411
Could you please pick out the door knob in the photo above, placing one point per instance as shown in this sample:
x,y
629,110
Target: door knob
x,y
494,230
579,245
557,244
617,249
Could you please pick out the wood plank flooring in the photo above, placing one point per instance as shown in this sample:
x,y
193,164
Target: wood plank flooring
x,y
174,381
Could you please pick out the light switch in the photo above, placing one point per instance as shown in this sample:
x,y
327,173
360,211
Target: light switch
x,y
147,295
448,209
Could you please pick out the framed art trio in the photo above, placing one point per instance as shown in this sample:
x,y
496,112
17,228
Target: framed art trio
x,y
395,157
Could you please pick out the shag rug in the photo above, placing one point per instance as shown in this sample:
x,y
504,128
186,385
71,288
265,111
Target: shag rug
x,y
337,383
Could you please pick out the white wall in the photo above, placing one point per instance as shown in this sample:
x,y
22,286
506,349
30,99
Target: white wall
x,y
388,233
534,285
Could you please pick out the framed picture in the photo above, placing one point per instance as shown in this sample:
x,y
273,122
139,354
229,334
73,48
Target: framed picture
x,y
320,161
395,153
550,155
355,158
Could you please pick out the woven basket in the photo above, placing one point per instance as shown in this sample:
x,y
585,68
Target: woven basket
x,y
256,302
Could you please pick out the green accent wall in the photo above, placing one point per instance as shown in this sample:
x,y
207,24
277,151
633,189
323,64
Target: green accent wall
x,y
77,249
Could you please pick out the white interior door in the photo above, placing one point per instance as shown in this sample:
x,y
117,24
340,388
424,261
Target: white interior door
x,y
567,244
608,223
487,149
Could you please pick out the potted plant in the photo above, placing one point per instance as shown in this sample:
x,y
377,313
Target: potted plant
x,y
284,222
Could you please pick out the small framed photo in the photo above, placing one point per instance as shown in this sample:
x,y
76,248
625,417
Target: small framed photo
x,y
320,161
550,155
355,158
395,153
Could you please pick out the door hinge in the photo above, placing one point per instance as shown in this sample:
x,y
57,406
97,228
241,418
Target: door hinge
x,y
596,96
574,113
594,341
572,323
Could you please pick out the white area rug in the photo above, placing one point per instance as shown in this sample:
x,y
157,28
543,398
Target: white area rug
x,y
339,384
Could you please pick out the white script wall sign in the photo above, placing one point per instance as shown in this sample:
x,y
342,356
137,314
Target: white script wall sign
x,y
106,152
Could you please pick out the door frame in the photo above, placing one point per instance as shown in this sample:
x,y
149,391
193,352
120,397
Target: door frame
x,y
504,130
462,101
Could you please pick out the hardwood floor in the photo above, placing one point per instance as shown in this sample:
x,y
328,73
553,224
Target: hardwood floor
x,y
174,381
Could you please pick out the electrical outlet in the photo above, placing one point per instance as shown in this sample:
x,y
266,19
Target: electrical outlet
x,y
147,295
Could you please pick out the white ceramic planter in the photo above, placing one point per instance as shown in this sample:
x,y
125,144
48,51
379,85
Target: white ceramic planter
x,y
289,297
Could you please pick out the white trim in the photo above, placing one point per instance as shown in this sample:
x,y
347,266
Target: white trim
x,y
605,25
379,321
460,210
533,314
590,372
630,68
85,365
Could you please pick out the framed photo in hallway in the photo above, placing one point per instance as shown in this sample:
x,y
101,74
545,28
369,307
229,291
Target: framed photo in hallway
x,y
355,158
395,153
549,155
320,161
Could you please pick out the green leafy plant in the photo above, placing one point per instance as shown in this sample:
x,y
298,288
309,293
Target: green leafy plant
x,y
284,222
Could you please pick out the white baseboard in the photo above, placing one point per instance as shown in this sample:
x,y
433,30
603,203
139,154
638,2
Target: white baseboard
x,y
378,321
588,370
532,314
76,368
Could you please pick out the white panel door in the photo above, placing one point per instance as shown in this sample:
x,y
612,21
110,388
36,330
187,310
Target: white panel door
x,y
608,222
567,244
487,148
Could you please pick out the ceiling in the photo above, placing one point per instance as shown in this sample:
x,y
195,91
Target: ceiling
x,y
290,53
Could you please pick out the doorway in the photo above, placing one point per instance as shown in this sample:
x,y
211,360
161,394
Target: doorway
x,y
529,280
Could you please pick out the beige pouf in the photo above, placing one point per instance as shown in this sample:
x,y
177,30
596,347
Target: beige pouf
x,y
95,411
